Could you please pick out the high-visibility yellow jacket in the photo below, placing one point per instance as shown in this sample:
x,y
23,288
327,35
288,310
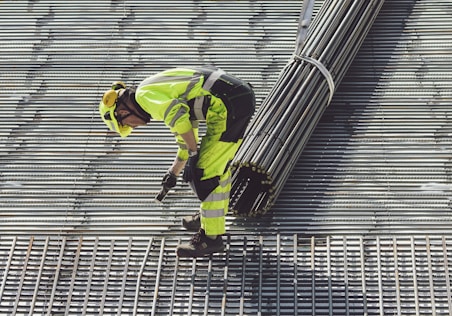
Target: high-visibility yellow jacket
x,y
164,96
180,97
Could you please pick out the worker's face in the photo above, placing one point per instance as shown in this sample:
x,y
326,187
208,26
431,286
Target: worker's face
x,y
125,117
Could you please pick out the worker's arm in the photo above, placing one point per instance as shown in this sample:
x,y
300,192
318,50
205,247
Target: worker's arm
x,y
170,178
190,140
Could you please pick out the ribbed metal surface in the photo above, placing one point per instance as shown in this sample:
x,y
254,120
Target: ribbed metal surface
x,y
61,171
379,161
273,275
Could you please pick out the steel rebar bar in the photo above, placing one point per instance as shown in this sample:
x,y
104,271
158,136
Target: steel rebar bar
x,y
286,119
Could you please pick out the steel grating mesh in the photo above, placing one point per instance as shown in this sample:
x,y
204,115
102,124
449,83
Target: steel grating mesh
x,y
257,275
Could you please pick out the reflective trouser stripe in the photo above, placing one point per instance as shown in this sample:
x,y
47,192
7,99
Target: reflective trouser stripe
x,y
215,207
212,213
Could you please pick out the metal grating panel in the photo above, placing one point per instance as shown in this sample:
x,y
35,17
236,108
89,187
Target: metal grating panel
x,y
258,275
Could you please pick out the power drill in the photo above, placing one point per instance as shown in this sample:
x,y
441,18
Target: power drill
x,y
169,181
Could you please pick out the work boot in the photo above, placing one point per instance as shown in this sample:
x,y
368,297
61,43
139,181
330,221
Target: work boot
x,y
192,223
200,245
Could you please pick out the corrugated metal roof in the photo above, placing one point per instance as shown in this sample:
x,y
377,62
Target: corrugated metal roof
x,y
78,224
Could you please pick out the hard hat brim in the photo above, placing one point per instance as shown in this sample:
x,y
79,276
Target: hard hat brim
x,y
113,125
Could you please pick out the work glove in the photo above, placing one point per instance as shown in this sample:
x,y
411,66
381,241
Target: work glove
x,y
190,168
169,180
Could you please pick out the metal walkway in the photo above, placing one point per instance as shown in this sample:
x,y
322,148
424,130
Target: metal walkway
x,y
363,226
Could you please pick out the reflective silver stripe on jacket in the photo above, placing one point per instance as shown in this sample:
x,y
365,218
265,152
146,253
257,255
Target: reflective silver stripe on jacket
x,y
212,78
162,78
179,113
199,101
182,99
197,108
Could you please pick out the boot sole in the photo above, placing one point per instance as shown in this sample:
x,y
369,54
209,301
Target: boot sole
x,y
185,253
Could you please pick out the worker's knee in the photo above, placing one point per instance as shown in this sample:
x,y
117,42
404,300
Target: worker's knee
x,y
203,188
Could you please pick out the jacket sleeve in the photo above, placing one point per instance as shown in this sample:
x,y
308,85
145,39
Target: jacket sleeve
x,y
182,152
177,118
164,96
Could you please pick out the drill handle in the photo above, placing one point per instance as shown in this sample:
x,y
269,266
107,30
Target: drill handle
x,y
162,194
169,181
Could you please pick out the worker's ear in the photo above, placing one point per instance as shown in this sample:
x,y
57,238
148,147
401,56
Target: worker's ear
x,y
123,112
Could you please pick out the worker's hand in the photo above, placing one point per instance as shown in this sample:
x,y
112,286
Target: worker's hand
x,y
169,180
190,167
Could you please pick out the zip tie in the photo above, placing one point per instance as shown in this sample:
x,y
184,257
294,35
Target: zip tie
x,y
325,72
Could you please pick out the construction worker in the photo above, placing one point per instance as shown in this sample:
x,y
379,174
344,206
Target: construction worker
x,y
182,97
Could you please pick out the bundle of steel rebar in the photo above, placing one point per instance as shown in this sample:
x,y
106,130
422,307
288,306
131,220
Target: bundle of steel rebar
x,y
287,117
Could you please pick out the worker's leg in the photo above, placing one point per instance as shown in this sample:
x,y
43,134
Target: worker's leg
x,y
216,158
215,207
214,202
212,182
212,185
